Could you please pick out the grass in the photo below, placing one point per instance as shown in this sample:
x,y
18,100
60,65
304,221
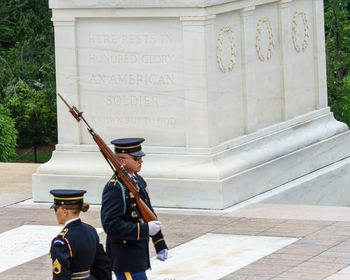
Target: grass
x,y
41,158
43,153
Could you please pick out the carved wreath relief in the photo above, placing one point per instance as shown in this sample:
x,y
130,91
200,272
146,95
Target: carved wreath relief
x,y
219,44
304,45
264,22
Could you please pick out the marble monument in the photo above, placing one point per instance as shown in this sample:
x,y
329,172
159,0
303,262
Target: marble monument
x,y
230,96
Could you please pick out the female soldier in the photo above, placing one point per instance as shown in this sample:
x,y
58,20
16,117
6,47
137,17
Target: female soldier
x,y
76,252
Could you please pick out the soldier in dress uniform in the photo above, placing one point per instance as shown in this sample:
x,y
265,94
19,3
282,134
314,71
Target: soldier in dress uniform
x,y
127,235
76,252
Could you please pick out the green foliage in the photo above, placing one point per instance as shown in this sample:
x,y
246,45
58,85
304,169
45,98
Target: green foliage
x,y
26,43
27,77
41,158
8,135
341,108
337,29
34,112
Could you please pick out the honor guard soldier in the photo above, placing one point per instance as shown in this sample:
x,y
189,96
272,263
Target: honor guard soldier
x,y
76,252
127,235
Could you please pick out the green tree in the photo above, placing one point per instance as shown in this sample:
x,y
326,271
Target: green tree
x,y
7,135
34,113
27,68
337,29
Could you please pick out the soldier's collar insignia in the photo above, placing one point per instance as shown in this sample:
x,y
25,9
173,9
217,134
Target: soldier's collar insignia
x,y
64,232
114,180
56,267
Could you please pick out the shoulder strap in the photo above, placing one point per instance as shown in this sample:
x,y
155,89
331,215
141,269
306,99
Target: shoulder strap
x,y
123,196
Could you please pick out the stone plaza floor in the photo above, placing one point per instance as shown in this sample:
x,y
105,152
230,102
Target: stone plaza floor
x,y
254,242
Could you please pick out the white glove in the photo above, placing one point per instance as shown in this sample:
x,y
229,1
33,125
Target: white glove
x,y
162,255
154,227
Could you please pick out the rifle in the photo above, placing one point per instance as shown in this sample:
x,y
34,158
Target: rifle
x,y
129,181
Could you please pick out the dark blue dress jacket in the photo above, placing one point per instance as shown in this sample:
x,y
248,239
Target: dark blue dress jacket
x,y
76,253
127,237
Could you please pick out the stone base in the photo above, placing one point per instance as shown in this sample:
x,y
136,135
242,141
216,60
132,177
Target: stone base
x,y
328,186
213,178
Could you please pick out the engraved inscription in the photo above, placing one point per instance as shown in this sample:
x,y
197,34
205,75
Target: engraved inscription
x,y
136,121
132,101
105,39
132,66
143,55
134,79
157,59
107,58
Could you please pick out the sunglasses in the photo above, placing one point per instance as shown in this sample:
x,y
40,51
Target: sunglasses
x,y
136,158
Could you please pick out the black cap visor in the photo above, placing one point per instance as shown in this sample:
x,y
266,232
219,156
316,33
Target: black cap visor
x,y
53,206
138,154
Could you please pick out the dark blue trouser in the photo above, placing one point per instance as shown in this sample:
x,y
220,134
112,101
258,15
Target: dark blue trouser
x,y
141,275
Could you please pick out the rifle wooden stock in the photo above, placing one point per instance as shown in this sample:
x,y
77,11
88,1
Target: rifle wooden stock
x,y
147,214
145,211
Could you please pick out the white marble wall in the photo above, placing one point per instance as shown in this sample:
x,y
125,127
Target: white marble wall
x,y
193,77
216,87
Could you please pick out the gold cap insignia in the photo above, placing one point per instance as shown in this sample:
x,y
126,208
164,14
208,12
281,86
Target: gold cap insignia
x,y
56,267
